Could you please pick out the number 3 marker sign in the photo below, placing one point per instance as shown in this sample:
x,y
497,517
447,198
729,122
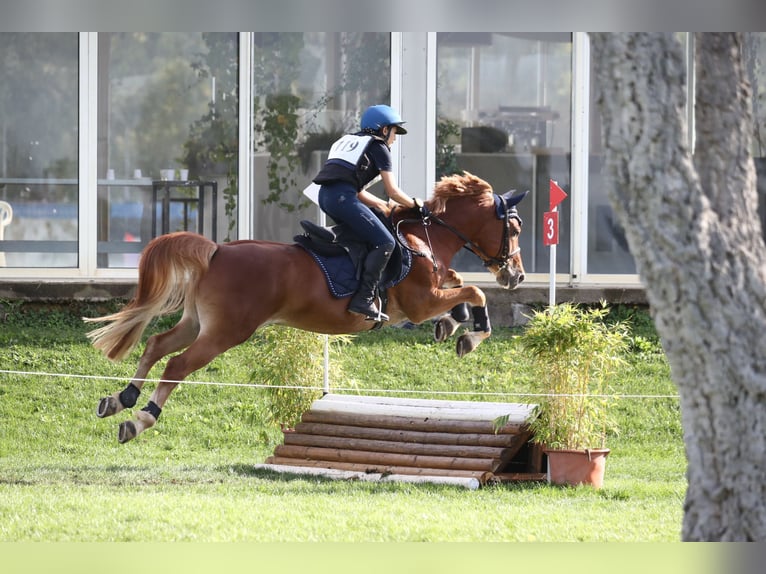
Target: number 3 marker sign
x,y
551,228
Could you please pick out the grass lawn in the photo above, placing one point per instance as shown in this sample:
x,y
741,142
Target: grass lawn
x,y
64,477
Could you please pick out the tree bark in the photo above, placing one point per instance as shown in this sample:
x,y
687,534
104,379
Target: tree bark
x,y
693,229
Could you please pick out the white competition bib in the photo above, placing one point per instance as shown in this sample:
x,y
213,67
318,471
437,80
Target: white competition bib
x,y
349,148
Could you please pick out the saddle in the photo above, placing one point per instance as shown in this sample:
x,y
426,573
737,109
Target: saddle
x,y
341,254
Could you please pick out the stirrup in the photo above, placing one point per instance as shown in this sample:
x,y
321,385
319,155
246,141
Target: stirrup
x,y
371,313
379,318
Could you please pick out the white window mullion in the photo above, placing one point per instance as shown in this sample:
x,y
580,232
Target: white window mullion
x,y
396,90
431,119
88,102
246,192
580,155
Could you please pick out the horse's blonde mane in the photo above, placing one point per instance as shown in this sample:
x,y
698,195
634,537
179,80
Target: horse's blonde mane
x,y
458,185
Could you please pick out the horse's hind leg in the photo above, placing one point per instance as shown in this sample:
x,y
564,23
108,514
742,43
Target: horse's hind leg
x,y
199,354
157,346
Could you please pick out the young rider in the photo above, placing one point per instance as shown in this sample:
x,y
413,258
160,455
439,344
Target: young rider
x,y
354,161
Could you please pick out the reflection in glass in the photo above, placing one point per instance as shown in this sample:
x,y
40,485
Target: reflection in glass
x,y
39,149
308,88
168,106
503,114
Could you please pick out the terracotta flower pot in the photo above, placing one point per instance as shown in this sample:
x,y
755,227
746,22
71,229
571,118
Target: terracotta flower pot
x,y
575,467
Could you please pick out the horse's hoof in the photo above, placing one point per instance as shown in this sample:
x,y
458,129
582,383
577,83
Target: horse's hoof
x,y
440,331
107,407
465,344
127,432
444,328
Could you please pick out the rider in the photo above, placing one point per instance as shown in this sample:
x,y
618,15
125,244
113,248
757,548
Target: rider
x,y
354,161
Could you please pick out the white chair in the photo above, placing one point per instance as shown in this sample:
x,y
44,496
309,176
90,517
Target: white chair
x,y
6,216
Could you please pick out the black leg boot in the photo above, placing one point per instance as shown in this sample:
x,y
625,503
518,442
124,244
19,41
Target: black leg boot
x,y
363,301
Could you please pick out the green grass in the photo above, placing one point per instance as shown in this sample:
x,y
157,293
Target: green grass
x,y
64,477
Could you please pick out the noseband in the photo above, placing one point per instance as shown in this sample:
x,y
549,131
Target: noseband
x,y
504,255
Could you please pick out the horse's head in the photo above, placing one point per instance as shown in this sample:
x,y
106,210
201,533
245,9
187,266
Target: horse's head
x,y
493,225
507,265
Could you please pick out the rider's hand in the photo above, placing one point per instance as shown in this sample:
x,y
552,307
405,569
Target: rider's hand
x,y
423,211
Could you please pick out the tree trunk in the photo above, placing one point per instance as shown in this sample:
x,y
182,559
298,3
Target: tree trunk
x,y
692,225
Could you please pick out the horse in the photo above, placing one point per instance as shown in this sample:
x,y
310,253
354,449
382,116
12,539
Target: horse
x,y
229,290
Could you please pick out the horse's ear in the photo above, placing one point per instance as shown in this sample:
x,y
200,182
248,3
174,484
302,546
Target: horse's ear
x,y
512,198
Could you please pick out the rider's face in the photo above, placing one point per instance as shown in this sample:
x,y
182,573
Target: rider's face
x,y
390,135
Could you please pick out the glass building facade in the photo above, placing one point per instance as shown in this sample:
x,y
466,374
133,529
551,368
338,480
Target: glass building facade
x,y
109,139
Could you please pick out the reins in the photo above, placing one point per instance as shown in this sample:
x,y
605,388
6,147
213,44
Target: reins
x,y
405,245
502,258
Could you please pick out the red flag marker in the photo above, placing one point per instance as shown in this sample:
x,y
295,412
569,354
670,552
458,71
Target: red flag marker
x,y
557,195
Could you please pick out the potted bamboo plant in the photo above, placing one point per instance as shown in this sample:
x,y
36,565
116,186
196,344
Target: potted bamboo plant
x,y
575,353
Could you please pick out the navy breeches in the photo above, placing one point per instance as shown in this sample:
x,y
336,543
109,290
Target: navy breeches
x,y
340,201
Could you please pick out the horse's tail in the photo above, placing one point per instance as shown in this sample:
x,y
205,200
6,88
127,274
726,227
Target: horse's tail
x,y
168,272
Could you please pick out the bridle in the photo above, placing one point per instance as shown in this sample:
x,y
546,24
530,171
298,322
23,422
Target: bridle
x,y
504,255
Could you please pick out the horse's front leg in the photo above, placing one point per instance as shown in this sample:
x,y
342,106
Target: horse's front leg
x,y
468,341
447,325
441,301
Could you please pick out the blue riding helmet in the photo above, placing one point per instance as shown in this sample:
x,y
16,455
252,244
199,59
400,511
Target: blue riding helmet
x,y
377,117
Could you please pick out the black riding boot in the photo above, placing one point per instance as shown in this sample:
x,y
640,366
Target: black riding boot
x,y
363,301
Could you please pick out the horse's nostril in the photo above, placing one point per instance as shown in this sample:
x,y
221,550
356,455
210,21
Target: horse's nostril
x,y
521,278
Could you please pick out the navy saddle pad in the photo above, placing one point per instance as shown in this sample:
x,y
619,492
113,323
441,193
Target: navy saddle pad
x,y
341,257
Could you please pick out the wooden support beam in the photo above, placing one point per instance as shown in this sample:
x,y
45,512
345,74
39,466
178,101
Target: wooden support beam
x,y
451,405
387,446
337,474
409,423
520,476
402,435
423,409
381,468
384,458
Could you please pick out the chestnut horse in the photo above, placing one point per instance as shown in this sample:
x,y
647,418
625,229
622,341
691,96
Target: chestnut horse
x,y
229,290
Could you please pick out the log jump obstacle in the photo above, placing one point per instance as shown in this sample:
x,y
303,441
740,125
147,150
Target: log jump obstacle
x,y
413,440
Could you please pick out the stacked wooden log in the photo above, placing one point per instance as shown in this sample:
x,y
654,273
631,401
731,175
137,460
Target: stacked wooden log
x,y
423,437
